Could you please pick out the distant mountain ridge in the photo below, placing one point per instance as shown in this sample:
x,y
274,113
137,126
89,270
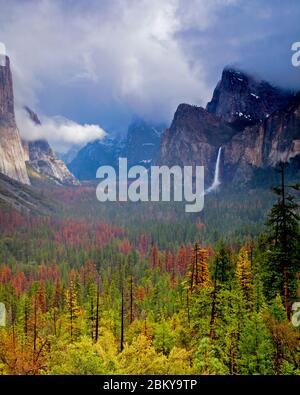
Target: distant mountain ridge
x,y
69,155
96,153
141,147
142,143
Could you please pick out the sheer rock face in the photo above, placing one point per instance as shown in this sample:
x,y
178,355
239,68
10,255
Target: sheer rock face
x,y
269,134
12,157
242,100
194,138
266,144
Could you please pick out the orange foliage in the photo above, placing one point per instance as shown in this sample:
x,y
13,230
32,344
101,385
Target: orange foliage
x,y
5,274
125,247
19,282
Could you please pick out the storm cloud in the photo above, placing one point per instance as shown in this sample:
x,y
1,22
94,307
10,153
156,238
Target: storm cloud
x,y
103,62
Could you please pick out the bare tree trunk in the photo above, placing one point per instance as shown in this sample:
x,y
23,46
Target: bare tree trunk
x,y
197,274
71,313
285,248
188,307
122,322
35,325
97,312
131,299
214,302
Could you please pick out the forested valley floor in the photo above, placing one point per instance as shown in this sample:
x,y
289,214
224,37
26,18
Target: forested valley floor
x,y
147,289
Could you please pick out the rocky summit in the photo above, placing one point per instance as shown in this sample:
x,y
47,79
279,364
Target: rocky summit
x,y
40,156
256,125
243,100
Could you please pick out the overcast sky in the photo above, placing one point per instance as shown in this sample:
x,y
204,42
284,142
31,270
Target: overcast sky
x,y
103,62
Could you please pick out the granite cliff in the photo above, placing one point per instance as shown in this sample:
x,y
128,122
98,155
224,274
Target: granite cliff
x,y
12,156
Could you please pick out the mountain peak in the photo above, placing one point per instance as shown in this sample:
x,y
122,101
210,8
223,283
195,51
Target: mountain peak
x,y
243,100
43,160
256,124
40,156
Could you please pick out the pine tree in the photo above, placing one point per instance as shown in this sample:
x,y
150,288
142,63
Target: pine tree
x,y
122,320
154,256
164,337
200,273
222,268
244,276
97,310
221,276
72,306
231,348
284,336
181,260
283,260
56,304
204,280
131,300
41,297
207,360
255,347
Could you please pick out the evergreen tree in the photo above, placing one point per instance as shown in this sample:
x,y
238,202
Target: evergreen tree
x,y
244,276
221,276
207,360
222,265
200,273
72,307
255,347
283,257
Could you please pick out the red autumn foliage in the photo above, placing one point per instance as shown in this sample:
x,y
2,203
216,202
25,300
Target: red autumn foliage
x,y
5,274
143,245
140,293
10,221
181,260
125,247
154,256
19,283
200,225
88,272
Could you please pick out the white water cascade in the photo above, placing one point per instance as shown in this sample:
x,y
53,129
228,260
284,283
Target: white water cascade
x,y
216,181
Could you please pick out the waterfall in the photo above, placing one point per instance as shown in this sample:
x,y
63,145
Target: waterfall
x,y
216,181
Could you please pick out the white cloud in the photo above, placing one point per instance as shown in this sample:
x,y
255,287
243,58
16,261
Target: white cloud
x,y
125,51
60,132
